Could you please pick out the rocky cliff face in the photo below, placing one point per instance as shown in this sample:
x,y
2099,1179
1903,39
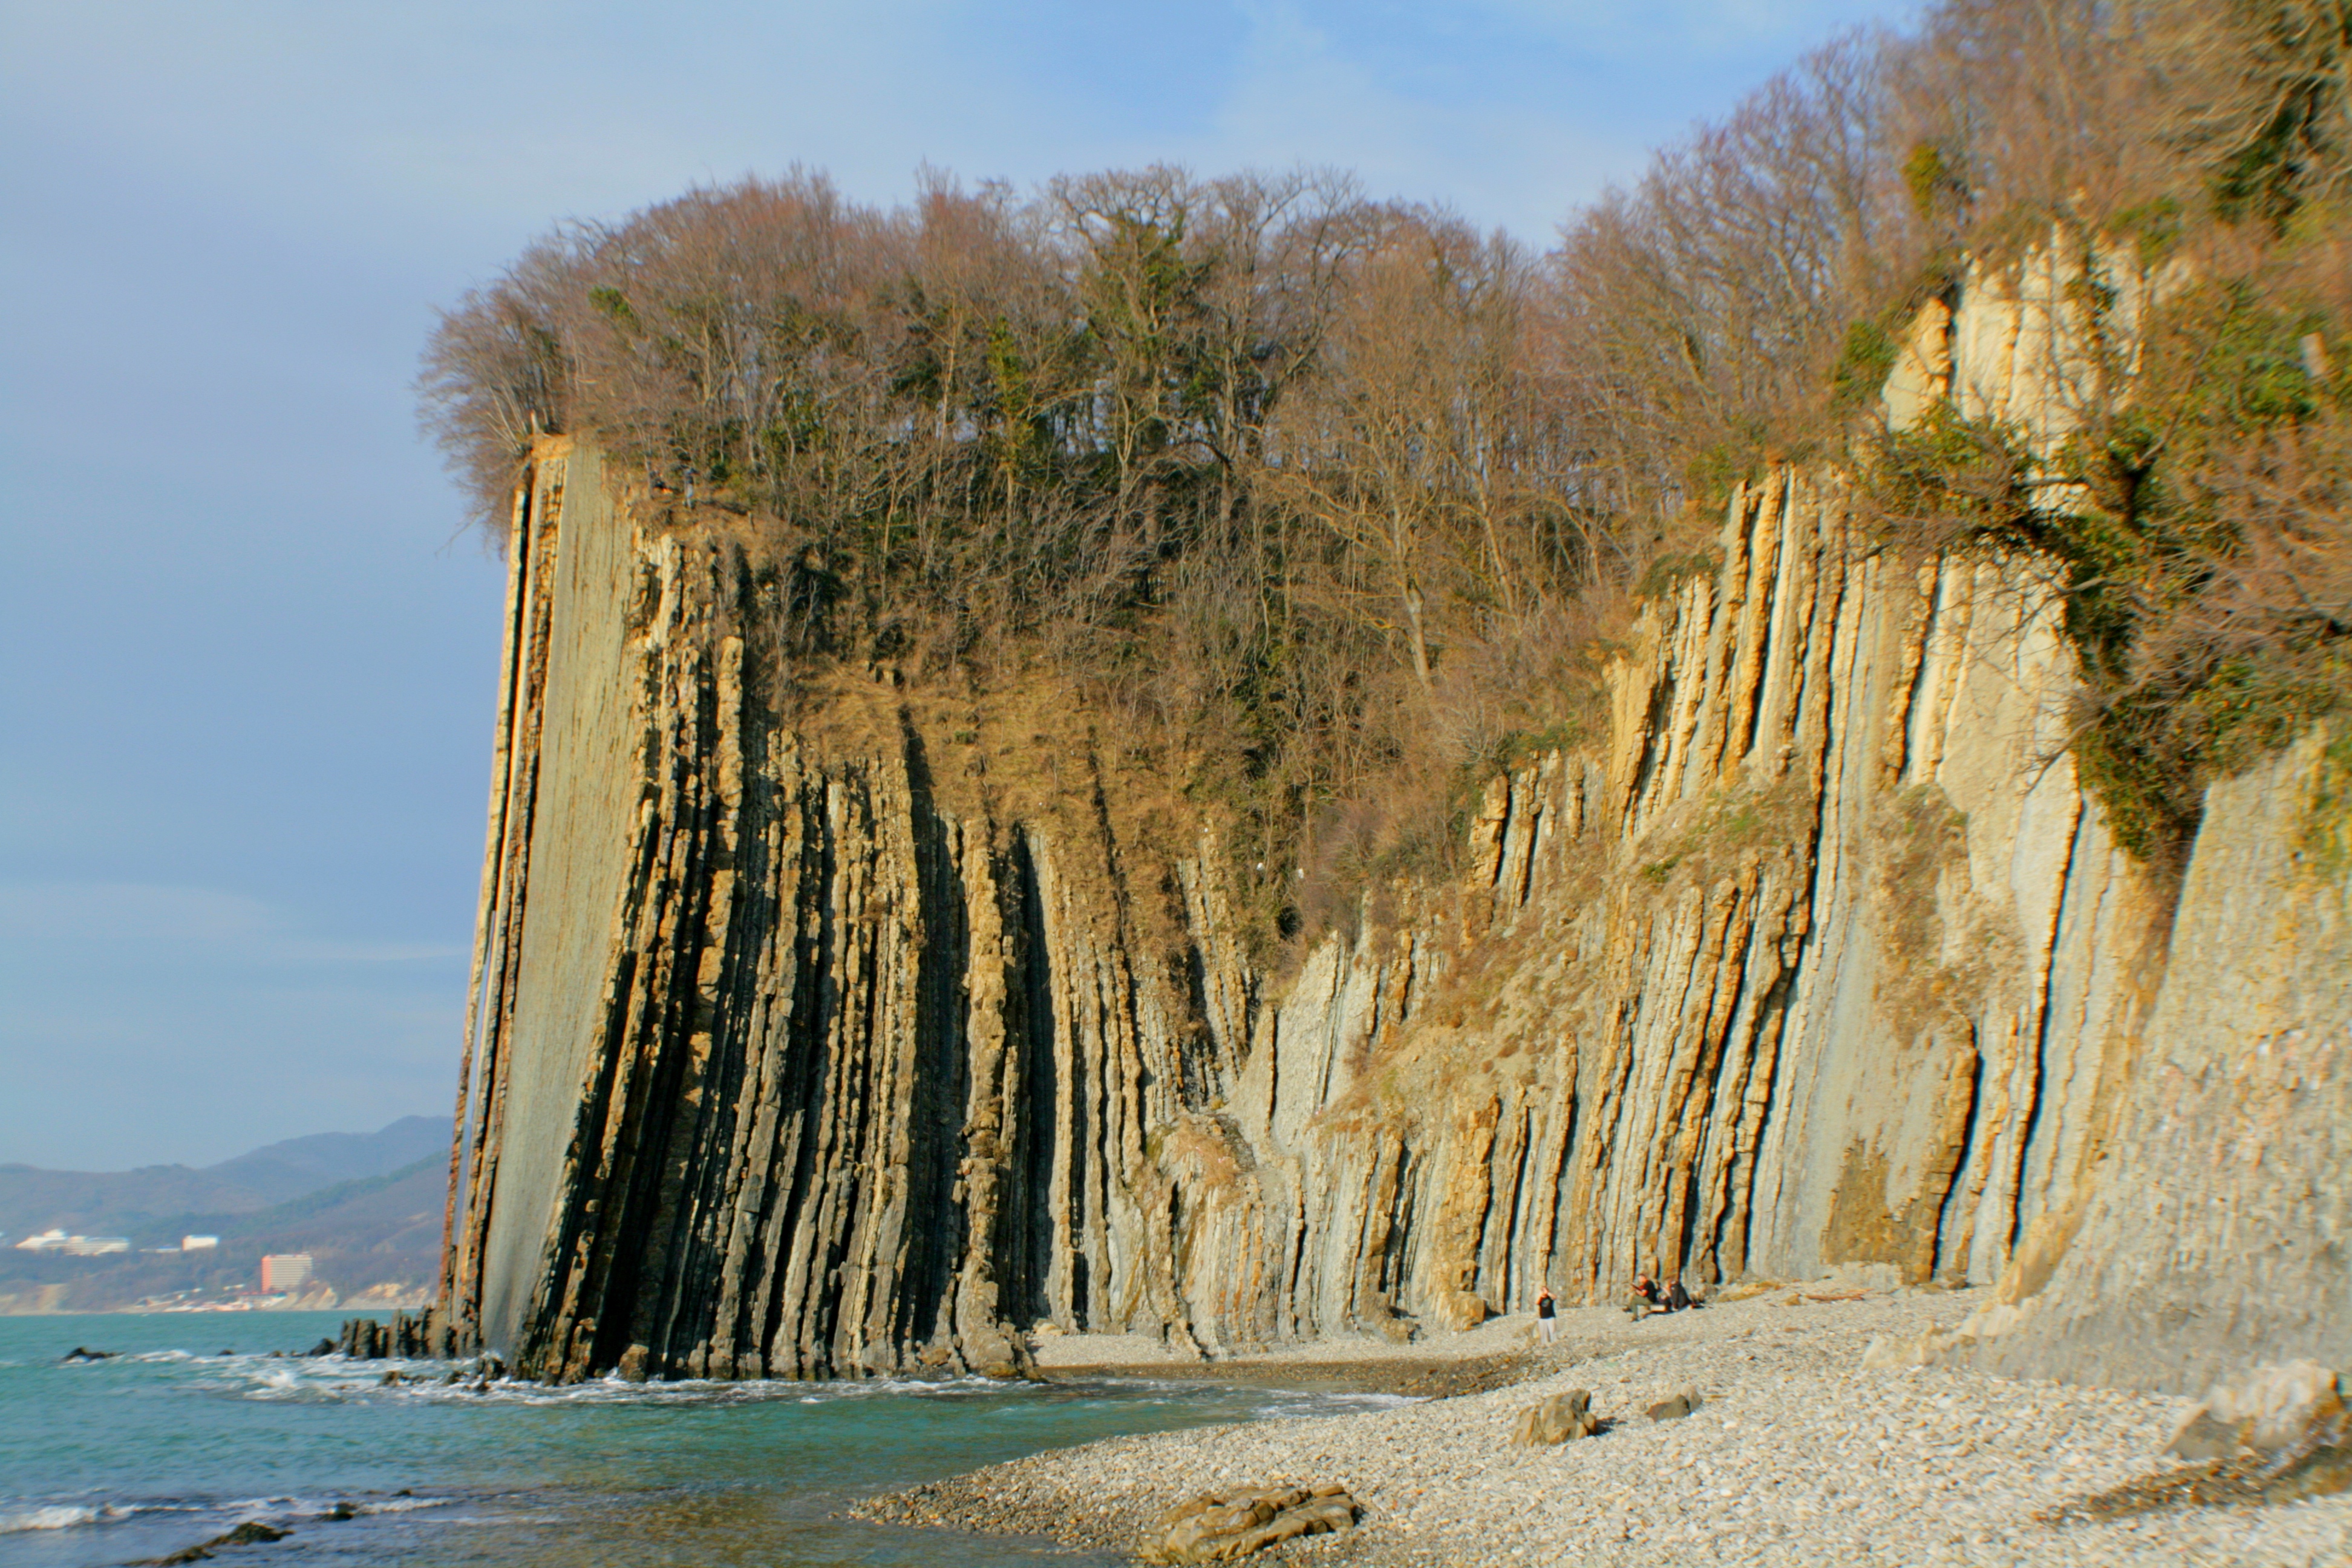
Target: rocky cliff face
x,y
860,1041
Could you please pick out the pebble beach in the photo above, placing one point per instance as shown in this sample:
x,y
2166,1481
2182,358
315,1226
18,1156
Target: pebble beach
x,y
1798,1453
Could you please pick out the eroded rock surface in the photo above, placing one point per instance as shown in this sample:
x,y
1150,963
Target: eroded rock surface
x,y
2271,1410
1217,1527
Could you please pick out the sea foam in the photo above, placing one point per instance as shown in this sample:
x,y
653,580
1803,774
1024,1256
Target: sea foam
x,y
56,1516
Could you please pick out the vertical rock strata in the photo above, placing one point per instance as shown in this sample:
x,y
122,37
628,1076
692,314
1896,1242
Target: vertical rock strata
x,y
843,1046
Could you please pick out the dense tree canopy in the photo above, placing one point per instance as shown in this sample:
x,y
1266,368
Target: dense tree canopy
x,y
1332,496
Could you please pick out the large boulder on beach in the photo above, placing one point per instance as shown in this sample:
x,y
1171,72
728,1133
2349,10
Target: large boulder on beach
x,y
2268,1410
1559,1419
997,1350
1460,1310
1217,1527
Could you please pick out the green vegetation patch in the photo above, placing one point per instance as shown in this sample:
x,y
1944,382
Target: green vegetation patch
x,y
2200,529
2327,829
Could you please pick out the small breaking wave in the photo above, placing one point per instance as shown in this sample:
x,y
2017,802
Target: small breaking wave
x,y
330,1379
406,1504
351,1505
1289,1402
62,1516
327,1505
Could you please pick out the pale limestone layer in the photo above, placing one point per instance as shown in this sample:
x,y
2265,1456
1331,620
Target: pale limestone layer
x,y
2219,1229
821,1048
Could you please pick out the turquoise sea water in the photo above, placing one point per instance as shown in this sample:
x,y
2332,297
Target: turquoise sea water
x,y
193,1426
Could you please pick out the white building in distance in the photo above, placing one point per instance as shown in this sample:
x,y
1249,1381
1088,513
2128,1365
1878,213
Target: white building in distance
x,y
54,1240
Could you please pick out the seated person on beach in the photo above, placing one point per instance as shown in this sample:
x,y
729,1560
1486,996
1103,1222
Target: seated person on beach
x,y
1546,1313
1676,1297
1646,1298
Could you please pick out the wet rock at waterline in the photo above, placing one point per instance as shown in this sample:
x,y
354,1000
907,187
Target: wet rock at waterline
x,y
249,1534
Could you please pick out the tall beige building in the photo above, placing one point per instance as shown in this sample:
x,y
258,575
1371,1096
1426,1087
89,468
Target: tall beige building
x,y
284,1271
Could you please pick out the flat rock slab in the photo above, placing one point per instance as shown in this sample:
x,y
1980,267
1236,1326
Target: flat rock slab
x,y
1217,1527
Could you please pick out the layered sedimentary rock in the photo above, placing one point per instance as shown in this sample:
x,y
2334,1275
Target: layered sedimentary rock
x,y
2218,1230
834,1030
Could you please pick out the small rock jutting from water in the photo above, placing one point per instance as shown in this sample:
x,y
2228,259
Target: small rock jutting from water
x,y
249,1534
1557,1419
1217,1527
409,1334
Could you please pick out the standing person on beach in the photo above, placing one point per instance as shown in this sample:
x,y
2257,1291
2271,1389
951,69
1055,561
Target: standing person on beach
x,y
1547,1315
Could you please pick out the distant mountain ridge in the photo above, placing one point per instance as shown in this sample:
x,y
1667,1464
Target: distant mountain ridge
x,y
297,1165
146,1204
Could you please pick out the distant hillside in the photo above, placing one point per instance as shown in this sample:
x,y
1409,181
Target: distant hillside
x,y
378,1230
298,1165
148,1203
113,1202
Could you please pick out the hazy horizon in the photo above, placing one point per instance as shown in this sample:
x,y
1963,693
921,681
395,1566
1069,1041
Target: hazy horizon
x,y
269,1146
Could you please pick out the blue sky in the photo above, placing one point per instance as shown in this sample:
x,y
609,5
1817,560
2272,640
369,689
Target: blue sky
x,y
247,652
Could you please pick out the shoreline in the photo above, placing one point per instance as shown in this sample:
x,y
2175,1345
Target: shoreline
x,y
1411,1377
1799,1454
